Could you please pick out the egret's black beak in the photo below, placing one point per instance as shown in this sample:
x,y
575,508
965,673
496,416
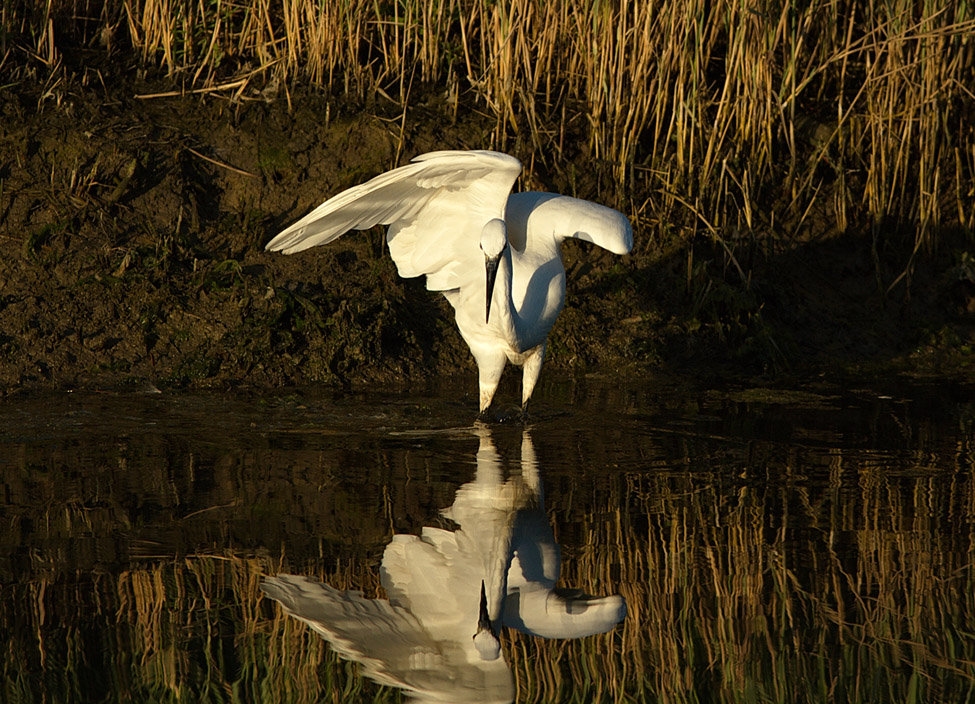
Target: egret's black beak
x,y
484,619
491,269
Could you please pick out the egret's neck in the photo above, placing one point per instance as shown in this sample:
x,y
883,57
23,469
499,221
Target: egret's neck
x,y
502,305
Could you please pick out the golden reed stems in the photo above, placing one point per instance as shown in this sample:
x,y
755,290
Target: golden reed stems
x,y
717,109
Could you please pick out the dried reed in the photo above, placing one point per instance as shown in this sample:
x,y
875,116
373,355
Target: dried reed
x,y
714,111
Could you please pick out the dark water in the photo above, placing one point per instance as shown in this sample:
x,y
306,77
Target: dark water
x,y
815,546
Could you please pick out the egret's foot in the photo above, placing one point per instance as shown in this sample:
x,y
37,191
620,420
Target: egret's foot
x,y
503,414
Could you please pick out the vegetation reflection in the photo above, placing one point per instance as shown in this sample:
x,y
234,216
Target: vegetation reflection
x,y
817,569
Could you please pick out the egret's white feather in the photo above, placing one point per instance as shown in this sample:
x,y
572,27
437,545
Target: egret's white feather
x,y
437,208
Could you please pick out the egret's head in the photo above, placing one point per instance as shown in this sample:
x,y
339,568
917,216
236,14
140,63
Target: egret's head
x,y
494,240
485,639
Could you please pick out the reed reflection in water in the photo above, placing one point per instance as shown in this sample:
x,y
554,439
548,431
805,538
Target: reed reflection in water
x,y
451,590
806,552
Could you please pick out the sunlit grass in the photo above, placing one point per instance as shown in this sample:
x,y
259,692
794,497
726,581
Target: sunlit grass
x,y
705,113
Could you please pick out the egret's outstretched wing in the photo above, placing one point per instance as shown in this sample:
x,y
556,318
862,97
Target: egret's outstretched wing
x,y
568,217
393,646
435,206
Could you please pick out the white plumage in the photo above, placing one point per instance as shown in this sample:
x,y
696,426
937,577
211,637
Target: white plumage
x,y
444,211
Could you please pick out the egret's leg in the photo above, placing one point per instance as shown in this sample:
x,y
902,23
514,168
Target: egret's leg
x,y
529,463
489,368
530,371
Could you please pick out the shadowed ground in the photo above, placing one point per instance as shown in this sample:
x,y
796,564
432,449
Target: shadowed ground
x,y
132,233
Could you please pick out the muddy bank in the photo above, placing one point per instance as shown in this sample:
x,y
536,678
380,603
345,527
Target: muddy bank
x,y
133,228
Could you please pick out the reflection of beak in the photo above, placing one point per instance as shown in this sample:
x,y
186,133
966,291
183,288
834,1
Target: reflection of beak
x,y
486,640
483,619
491,269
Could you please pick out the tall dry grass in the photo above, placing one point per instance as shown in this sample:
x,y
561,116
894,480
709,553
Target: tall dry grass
x,y
721,115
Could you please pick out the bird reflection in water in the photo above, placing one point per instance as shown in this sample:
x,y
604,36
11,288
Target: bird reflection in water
x,y
450,592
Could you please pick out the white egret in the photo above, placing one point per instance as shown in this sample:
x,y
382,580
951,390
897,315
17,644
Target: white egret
x,y
450,592
452,217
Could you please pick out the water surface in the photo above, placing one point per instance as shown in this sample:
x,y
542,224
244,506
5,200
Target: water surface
x,y
813,546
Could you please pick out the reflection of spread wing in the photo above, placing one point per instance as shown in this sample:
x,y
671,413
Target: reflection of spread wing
x,y
434,580
437,577
373,632
392,645
435,207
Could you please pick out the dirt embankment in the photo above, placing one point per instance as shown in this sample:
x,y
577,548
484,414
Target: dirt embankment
x,y
132,233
